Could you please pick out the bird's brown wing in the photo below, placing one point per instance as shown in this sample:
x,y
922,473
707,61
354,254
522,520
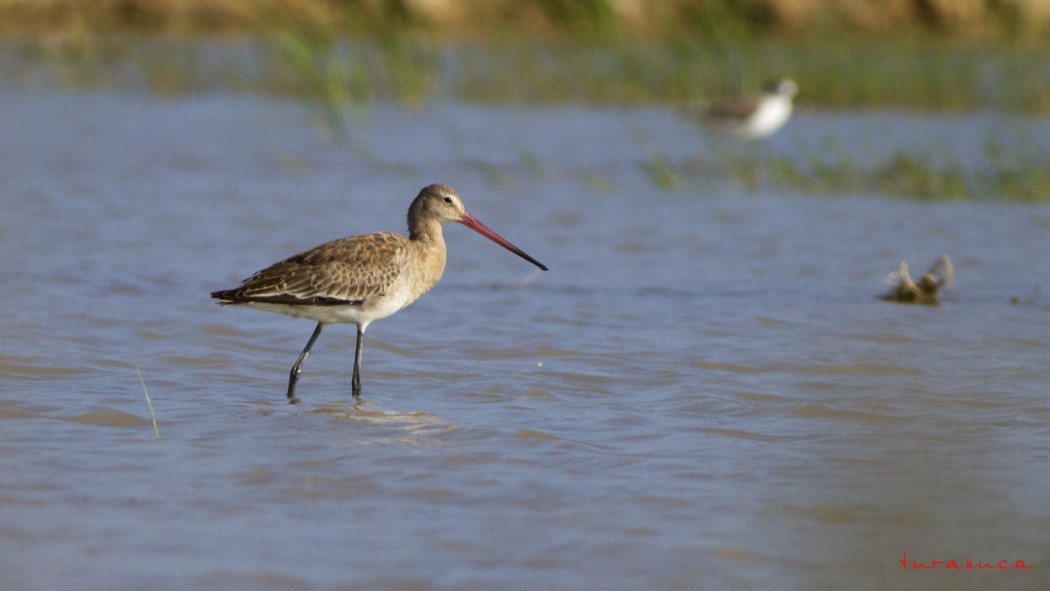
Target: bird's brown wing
x,y
345,271
732,109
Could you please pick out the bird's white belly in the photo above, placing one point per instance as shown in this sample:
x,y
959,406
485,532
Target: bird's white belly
x,y
359,314
769,117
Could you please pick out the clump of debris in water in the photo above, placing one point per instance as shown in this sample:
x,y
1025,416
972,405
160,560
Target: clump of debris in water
x,y
927,290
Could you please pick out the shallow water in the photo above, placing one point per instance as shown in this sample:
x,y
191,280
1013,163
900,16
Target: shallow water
x,y
702,393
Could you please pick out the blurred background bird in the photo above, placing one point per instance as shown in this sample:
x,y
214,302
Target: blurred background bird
x,y
755,116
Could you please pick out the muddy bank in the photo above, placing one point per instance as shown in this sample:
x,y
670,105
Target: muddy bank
x,y
976,19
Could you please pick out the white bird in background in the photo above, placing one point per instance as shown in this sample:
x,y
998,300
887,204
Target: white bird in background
x,y
753,117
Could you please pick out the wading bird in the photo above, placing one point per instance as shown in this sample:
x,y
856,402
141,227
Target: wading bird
x,y
753,117
360,279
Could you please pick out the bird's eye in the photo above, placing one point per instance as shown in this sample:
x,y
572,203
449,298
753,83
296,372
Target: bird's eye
x,y
449,200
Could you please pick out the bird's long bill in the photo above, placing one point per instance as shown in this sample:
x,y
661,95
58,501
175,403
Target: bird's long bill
x,y
473,223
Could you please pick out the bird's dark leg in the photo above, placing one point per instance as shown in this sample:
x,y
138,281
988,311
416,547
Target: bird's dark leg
x,y
298,367
355,384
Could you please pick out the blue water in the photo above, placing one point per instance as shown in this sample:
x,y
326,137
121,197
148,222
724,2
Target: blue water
x,y
702,393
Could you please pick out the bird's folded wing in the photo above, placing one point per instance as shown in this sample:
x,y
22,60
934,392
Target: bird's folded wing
x,y
345,271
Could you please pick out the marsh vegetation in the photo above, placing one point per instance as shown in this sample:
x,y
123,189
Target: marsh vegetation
x,y
337,58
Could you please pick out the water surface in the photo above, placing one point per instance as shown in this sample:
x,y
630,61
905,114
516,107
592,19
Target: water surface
x,y
702,393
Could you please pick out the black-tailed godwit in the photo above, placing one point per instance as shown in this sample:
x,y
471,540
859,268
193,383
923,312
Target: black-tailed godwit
x,y
360,279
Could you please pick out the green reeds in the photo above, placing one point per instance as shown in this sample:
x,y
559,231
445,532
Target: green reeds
x,y
335,73
1023,176
334,77
308,61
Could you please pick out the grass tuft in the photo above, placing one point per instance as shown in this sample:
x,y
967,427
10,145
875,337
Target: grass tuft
x,y
149,403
